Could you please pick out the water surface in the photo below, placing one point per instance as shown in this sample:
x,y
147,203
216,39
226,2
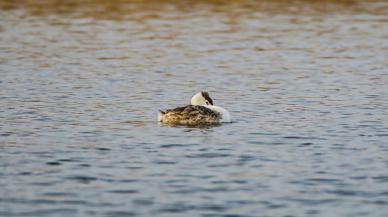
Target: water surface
x,y
81,83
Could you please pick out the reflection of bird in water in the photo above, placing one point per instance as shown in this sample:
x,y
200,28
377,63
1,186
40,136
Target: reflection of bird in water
x,y
201,111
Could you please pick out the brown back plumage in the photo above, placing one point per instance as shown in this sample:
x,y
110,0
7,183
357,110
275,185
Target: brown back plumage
x,y
190,115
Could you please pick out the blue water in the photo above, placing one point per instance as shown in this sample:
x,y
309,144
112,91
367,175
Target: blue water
x,y
81,84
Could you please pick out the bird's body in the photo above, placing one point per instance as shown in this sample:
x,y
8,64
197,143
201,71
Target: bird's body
x,y
190,115
200,112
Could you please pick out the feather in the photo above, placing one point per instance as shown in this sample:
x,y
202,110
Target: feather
x,y
190,115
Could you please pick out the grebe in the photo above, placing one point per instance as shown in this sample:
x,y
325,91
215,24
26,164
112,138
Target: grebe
x,y
201,111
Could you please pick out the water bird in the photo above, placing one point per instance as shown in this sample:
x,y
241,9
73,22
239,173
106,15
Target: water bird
x,y
201,111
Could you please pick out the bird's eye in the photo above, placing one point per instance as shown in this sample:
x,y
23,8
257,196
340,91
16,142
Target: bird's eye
x,y
207,103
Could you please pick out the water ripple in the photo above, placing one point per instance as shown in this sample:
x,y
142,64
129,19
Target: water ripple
x,y
82,82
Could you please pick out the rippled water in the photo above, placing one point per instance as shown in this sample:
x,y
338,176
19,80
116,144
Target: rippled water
x,y
81,83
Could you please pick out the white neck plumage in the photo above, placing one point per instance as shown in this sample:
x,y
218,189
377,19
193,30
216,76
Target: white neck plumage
x,y
226,118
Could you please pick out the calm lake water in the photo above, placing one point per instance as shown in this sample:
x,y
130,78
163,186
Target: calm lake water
x,y
82,81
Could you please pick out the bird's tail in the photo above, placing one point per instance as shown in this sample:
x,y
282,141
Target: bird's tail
x,y
160,115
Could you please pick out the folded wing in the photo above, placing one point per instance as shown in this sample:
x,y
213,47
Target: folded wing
x,y
190,115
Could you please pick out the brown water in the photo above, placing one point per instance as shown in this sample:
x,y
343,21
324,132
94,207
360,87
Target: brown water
x,y
305,81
